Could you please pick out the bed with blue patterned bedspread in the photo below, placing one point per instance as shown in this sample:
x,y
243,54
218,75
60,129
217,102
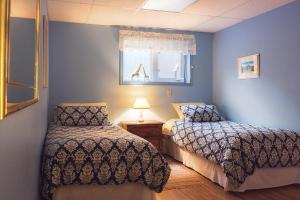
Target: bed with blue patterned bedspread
x,y
238,148
100,155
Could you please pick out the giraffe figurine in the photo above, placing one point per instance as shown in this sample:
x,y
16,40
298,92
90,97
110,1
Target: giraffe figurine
x,y
136,73
146,76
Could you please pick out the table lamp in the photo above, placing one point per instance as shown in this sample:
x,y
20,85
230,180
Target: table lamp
x,y
141,104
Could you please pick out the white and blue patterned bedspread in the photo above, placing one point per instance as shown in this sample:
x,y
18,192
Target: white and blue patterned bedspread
x,y
238,148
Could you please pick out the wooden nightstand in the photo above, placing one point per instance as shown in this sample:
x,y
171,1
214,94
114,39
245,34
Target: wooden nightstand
x,y
149,130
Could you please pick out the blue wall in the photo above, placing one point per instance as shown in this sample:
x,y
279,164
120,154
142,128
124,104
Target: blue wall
x,y
22,37
273,99
84,67
22,58
21,139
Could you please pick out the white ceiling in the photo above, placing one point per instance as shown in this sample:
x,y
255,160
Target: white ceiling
x,y
203,15
23,9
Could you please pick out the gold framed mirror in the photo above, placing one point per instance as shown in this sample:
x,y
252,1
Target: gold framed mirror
x,y
19,54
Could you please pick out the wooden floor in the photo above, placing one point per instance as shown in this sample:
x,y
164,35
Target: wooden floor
x,y
186,184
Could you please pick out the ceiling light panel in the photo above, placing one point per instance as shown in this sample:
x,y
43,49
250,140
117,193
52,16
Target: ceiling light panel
x,y
167,5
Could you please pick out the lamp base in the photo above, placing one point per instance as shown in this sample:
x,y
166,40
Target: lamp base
x,y
141,118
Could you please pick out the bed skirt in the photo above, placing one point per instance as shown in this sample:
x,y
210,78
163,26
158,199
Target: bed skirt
x,y
262,178
130,191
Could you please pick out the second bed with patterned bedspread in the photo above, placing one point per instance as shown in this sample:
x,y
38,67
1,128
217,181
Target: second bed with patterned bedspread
x,y
238,148
100,155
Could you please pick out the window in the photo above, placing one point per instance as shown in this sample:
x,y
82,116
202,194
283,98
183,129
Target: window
x,y
144,62
155,66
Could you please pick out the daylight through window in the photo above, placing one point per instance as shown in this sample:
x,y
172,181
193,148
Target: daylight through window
x,y
155,58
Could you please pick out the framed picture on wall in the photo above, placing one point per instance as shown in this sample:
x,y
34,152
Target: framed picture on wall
x,y
45,51
248,66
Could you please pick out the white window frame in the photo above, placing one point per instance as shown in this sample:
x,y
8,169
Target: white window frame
x,y
187,74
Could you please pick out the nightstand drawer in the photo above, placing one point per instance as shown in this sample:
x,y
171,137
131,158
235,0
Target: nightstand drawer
x,y
155,141
149,130
145,132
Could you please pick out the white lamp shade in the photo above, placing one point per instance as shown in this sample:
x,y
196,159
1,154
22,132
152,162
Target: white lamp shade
x,y
141,103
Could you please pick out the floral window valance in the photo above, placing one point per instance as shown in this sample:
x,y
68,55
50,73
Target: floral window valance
x,y
184,43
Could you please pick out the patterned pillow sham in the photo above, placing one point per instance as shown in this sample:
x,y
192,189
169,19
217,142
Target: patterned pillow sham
x,y
201,113
176,106
82,116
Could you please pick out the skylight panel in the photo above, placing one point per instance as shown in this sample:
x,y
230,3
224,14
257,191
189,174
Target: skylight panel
x,y
167,5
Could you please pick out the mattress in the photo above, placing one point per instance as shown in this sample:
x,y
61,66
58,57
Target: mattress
x,y
260,178
99,155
